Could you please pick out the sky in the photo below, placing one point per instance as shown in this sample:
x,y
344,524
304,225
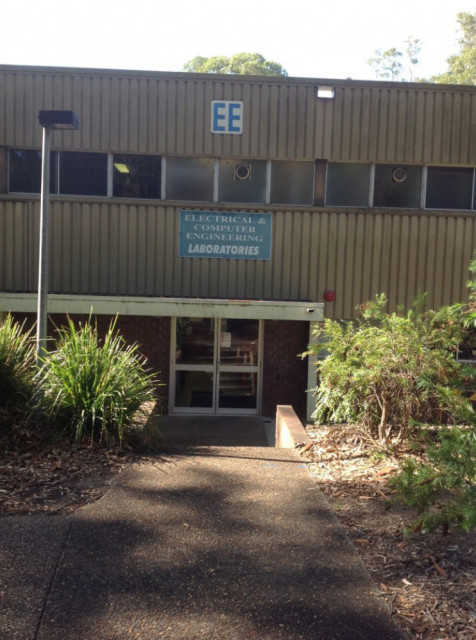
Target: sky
x,y
309,38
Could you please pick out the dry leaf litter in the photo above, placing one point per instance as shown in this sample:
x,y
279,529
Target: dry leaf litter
x,y
428,581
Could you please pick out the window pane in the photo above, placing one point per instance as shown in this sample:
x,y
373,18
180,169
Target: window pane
x,y
194,389
83,174
242,181
189,179
136,176
237,390
397,186
195,340
239,342
449,188
292,182
24,174
348,184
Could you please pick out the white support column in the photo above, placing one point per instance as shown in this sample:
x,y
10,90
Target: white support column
x,y
311,378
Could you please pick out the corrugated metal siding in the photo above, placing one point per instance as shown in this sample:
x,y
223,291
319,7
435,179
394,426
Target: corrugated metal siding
x,y
161,113
120,249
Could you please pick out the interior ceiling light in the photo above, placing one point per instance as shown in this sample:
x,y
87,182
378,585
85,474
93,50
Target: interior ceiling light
x,y
122,168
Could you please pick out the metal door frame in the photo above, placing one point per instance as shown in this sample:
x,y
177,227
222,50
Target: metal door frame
x,y
215,369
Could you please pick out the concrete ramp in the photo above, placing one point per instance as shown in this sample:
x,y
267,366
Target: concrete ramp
x,y
216,431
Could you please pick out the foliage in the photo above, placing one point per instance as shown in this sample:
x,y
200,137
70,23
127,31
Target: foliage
x,y
253,64
391,63
462,66
412,50
92,387
387,64
444,487
391,371
17,360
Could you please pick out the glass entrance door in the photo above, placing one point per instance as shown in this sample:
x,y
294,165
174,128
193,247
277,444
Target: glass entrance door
x,y
215,365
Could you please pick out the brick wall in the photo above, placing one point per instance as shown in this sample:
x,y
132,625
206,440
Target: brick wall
x,y
284,374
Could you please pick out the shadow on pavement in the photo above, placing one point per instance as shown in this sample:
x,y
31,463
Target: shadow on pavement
x,y
213,547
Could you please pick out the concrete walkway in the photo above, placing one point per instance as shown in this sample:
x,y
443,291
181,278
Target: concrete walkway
x,y
210,542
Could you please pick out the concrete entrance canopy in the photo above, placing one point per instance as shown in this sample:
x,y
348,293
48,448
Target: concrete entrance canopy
x,y
173,307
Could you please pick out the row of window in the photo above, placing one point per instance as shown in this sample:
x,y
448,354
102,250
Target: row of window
x,y
258,181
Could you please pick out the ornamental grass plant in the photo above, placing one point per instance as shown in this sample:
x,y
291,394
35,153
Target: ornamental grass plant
x,y
17,363
92,387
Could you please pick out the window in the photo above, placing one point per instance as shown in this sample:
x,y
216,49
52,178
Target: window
x,y
292,182
189,179
136,176
24,171
449,188
242,181
83,174
348,184
397,186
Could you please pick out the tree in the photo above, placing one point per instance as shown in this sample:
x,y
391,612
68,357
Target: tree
x,y
412,49
462,66
387,64
392,62
253,64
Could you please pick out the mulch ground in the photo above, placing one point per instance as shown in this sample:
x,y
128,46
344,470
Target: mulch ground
x,y
41,475
428,581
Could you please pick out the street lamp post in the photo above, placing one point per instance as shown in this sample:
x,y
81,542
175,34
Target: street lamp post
x,y
49,120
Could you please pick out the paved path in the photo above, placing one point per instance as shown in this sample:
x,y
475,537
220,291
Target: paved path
x,y
212,542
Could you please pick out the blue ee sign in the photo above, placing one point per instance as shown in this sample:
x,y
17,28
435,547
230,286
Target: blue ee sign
x,y
227,116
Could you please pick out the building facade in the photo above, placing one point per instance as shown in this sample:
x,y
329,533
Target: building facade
x,y
220,215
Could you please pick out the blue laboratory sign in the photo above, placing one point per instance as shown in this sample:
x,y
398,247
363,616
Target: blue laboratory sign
x,y
213,234
227,116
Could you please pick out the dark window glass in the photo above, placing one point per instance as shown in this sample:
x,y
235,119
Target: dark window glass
x,y
348,184
242,181
397,186
189,179
83,174
136,176
292,182
24,171
449,188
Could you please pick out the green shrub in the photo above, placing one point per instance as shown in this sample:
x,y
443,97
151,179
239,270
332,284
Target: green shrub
x,y
443,489
93,388
390,371
17,363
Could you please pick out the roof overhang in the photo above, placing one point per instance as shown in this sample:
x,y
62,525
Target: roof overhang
x,y
173,307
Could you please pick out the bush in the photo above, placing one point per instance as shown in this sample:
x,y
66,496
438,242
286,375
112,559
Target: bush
x,y
444,487
93,388
17,363
390,371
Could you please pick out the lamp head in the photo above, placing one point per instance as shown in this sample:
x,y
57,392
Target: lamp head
x,y
54,119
